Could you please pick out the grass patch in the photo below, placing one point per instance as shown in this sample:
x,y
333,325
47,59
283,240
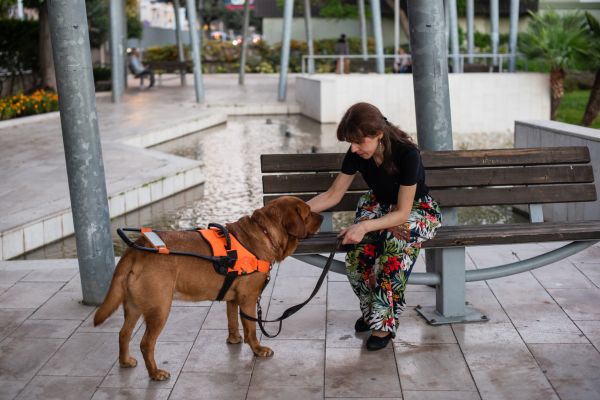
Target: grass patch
x,y
572,107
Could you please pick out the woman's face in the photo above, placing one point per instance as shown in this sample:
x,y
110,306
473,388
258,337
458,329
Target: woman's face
x,y
367,148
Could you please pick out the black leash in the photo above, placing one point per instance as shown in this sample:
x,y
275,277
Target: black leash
x,y
292,310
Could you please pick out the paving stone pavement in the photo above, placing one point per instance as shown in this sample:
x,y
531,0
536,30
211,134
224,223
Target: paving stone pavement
x,y
542,341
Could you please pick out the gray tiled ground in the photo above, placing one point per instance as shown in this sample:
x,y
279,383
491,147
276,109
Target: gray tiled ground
x,y
542,342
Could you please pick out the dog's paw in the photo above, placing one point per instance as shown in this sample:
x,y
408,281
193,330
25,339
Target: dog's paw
x,y
231,339
160,375
129,363
263,351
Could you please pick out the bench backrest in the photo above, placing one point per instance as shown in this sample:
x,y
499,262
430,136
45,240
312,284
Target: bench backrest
x,y
456,178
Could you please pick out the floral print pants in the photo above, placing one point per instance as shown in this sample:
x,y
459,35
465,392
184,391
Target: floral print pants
x,y
378,272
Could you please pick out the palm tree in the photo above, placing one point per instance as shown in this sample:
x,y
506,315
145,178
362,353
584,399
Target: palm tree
x,y
558,41
593,105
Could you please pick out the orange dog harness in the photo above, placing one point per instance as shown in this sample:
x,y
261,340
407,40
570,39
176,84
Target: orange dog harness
x,y
229,257
246,262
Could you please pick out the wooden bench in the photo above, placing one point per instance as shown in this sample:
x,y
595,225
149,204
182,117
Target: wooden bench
x,y
168,66
525,176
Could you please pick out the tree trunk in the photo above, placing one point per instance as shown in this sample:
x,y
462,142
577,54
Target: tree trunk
x,y
47,72
593,105
403,19
557,89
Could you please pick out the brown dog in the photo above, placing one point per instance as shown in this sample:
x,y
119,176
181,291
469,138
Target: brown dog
x,y
146,283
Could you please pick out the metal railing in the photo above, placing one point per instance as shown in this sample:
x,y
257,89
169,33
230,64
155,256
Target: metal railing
x,y
475,62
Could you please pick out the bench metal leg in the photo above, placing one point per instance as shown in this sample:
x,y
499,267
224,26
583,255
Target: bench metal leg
x,y
327,224
450,293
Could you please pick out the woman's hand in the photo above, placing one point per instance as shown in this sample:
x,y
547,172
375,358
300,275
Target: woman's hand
x,y
353,234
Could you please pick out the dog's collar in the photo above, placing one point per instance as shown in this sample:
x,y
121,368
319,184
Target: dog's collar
x,y
268,235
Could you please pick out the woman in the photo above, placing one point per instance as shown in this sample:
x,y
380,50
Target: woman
x,y
397,214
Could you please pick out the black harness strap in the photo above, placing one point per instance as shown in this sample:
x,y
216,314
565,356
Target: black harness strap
x,y
292,310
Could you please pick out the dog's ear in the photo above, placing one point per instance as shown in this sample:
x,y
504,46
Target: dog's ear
x,y
294,221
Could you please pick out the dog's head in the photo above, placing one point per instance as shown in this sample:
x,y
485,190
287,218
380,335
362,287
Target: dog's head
x,y
286,220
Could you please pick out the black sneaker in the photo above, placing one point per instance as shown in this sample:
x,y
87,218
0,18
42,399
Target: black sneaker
x,y
377,343
361,325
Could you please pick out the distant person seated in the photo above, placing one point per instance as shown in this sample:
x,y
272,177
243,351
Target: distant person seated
x,y
138,69
402,64
342,49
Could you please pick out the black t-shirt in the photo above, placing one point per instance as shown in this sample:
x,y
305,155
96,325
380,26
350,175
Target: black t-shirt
x,y
410,171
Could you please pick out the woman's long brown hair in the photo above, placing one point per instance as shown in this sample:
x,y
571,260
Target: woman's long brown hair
x,y
365,120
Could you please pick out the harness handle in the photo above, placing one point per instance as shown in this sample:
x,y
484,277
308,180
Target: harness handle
x,y
293,309
224,231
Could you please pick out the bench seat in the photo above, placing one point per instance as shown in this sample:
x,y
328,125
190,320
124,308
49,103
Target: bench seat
x,y
462,178
478,235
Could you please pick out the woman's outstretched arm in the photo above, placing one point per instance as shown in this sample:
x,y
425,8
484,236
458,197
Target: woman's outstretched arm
x,y
333,195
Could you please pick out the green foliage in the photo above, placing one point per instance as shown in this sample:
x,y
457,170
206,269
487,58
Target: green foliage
x,y
19,45
572,107
98,21
592,62
558,40
338,9
101,74
220,56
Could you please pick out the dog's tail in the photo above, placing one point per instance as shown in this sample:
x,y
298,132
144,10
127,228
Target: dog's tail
x,y
117,290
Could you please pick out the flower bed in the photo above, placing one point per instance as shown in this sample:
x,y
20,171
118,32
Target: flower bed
x,y
20,105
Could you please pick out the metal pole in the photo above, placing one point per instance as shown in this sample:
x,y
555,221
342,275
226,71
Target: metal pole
x,y
447,22
124,40
83,153
396,29
180,52
309,36
191,12
514,29
454,35
116,50
363,28
288,13
494,11
376,10
470,28
430,74
244,42
430,81
20,13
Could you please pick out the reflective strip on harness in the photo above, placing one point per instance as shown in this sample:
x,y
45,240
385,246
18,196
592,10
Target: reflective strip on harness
x,y
246,263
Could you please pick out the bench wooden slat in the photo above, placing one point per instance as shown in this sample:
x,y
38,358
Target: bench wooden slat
x,y
515,195
506,157
537,175
440,159
485,196
471,235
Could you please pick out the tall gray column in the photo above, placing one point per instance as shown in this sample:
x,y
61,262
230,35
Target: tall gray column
x,y
396,29
83,153
470,28
20,14
454,35
430,81
514,30
494,34
244,42
288,13
196,58
309,36
178,40
376,11
117,60
430,74
363,28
